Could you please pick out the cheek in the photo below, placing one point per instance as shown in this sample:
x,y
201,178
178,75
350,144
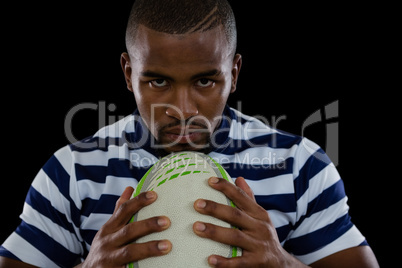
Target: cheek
x,y
151,116
217,116
212,108
142,99
144,107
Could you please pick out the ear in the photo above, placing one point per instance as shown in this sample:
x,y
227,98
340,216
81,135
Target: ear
x,y
126,66
237,61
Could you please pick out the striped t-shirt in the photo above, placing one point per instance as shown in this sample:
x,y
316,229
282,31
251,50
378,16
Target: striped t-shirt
x,y
75,192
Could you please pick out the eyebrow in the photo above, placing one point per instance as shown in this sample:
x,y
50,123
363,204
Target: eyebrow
x,y
213,72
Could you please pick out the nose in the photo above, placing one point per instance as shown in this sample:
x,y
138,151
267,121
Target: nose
x,y
182,105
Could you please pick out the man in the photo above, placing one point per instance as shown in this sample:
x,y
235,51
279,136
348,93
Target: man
x,y
181,66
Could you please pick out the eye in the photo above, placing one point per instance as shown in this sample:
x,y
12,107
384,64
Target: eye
x,y
159,83
204,82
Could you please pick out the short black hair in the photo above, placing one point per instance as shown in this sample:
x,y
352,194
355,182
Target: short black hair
x,y
182,17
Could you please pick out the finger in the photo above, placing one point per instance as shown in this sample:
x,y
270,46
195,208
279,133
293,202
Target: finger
x,y
225,213
126,210
136,252
241,199
242,184
228,236
125,196
135,230
217,261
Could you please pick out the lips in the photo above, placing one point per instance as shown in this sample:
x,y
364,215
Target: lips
x,y
182,135
183,130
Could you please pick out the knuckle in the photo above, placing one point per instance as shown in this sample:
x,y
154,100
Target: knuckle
x,y
236,213
262,244
123,207
210,230
262,211
238,262
237,235
118,203
150,225
125,231
153,224
242,262
139,251
152,249
221,184
103,232
141,199
134,204
268,226
127,253
210,206
241,192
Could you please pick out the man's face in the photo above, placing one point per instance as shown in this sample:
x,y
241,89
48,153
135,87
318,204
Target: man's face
x,y
181,84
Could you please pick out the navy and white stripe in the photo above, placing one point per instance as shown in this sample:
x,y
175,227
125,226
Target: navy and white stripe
x,y
75,192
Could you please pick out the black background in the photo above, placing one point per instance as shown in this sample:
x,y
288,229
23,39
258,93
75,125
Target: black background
x,y
296,60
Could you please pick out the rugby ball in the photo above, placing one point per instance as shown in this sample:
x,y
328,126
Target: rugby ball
x,y
179,180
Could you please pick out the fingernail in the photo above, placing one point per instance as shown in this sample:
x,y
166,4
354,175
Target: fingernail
x,y
214,180
162,222
200,227
201,204
150,195
163,245
213,261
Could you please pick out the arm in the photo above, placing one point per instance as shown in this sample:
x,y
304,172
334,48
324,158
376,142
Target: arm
x,y
258,238
353,257
10,263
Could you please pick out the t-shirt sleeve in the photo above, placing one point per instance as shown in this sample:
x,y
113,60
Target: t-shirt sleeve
x,y
323,225
47,235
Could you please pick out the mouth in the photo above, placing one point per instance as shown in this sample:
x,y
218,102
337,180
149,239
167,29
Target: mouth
x,y
185,135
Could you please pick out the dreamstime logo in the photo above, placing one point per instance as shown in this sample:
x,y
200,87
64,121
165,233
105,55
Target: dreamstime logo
x,y
326,115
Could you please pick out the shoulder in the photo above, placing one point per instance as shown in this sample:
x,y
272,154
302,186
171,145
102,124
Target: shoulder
x,y
262,152
98,161
108,136
124,140
256,131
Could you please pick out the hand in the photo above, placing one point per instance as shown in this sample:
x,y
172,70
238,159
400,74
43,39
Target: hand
x,y
112,245
256,234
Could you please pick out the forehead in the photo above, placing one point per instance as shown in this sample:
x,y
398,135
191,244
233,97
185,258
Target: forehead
x,y
162,50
